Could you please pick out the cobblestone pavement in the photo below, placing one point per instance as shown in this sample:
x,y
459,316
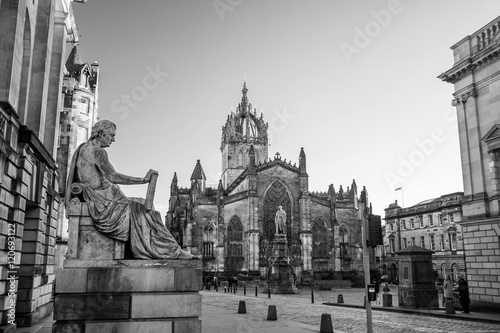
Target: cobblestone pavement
x,y
299,308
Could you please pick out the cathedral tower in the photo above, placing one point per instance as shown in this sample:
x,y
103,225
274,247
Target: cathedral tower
x,y
243,129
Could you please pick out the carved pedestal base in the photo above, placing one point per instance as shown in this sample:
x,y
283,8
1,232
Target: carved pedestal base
x,y
281,279
128,296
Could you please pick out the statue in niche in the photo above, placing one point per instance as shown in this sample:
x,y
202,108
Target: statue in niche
x,y
114,214
280,221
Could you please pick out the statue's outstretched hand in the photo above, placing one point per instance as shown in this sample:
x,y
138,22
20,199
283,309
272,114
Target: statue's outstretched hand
x,y
151,172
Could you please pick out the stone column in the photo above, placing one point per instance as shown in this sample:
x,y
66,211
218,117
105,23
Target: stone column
x,y
40,69
55,84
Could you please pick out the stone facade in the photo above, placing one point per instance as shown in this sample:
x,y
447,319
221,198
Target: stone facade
x,y
78,115
232,226
34,36
432,224
475,76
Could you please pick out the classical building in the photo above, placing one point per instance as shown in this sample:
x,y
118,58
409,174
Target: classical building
x,y
34,36
433,224
233,225
78,115
476,77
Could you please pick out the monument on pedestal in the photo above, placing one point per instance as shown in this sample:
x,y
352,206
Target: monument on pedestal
x,y
281,279
416,278
99,289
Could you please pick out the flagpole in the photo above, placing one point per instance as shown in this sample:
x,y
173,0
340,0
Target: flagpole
x,y
402,197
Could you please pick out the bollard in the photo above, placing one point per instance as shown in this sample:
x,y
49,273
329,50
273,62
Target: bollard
x,y
234,290
326,323
450,309
242,307
255,290
340,298
268,292
244,290
224,289
312,295
271,313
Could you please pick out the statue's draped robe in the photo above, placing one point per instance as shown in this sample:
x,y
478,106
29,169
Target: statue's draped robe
x,y
123,219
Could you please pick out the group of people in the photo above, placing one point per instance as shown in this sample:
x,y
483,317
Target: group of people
x,y
463,292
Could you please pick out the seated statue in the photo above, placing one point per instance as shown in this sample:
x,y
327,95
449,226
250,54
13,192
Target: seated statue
x,y
114,214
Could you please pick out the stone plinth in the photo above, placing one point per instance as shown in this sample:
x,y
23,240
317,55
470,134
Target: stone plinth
x,y
128,296
85,241
281,279
97,290
416,276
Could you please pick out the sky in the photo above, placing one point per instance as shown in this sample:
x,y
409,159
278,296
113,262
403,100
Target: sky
x,y
352,82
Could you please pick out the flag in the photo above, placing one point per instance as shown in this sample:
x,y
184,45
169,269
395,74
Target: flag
x,y
399,188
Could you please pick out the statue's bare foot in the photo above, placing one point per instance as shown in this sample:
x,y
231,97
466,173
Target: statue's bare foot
x,y
196,257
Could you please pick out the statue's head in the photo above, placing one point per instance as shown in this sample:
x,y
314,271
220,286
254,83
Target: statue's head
x,y
104,131
279,207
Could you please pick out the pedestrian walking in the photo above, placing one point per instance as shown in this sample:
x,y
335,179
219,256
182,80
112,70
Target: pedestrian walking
x,y
463,291
448,290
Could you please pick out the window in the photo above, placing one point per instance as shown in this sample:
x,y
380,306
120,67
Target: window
x,y
344,241
404,243
85,106
441,239
403,224
454,270
392,226
421,221
392,244
82,135
235,238
440,216
431,222
422,241
320,240
433,245
453,240
208,240
413,241
450,218
412,223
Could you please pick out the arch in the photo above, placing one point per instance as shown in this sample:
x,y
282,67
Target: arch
x,y
234,245
277,194
454,273
235,230
344,240
443,271
320,238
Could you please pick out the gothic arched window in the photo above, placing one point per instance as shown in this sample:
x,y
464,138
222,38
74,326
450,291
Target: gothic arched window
x,y
344,241
320,239
208,239
235,238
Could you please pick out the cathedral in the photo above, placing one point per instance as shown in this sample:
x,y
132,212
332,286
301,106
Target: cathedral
x,y
233,226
